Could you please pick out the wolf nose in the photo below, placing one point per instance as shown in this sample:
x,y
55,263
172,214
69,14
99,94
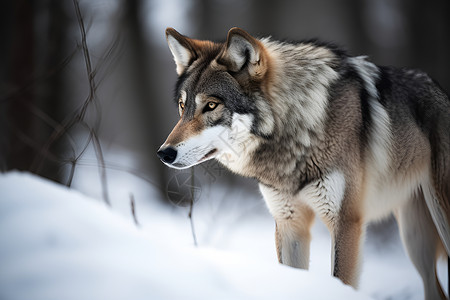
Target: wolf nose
x,y
167,155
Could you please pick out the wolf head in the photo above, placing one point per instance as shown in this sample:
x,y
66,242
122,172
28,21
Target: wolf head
x,y
219,93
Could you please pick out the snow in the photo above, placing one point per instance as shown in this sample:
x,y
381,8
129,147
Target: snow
x,y
56,243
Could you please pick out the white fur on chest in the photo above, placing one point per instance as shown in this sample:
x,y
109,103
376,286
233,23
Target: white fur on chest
x,y
324,196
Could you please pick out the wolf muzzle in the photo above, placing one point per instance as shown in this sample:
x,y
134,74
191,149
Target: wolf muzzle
x,y
167,155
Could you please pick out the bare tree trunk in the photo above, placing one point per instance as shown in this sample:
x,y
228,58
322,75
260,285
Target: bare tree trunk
x,y
146,93
30,100
6,22
51,98
16,153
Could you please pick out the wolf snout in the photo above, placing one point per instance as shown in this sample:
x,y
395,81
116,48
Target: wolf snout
x,y
167,154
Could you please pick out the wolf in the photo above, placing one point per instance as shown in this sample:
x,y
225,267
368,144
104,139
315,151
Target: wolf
x,y
325,134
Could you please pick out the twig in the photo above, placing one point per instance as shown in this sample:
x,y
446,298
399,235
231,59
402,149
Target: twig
x,y
133,210
191,208
44,117
91,98
101,167
87,59
72,172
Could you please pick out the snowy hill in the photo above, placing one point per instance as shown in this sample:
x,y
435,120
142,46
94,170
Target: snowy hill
x,y
56,243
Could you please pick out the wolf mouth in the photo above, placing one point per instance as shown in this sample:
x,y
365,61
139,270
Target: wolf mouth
x,y
209,154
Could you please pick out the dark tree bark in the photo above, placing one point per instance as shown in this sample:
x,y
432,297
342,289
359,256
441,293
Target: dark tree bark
x,y
16,95
51,99
30,99
146,93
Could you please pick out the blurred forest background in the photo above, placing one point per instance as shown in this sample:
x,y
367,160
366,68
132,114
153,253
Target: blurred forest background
x,y
86,86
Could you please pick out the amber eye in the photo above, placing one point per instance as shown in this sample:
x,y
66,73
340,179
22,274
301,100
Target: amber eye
x,y
181,104
210,106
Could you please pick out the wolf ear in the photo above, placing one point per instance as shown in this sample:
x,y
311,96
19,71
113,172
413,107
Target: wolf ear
x,y
243,51
181,48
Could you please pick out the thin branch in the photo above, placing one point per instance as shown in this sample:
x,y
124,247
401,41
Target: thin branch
x,y
110,58
50,122
72,172
191,208
31,143
38,161
91,98
87,59
133,210
101,167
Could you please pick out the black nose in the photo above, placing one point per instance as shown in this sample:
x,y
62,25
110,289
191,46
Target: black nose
x,y
167,155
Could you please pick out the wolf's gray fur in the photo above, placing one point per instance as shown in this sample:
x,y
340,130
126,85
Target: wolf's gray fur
x,y
324,133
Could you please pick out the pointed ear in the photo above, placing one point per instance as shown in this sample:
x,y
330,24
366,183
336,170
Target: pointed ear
x,y
181,48
243,51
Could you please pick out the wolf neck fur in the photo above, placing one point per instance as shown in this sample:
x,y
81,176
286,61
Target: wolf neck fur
x,y
298,86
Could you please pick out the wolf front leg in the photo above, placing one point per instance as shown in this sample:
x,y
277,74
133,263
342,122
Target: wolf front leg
x,y
337,201
293,224
293,238
347,239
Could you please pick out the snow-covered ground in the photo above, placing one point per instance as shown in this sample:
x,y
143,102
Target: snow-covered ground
x,y
56,243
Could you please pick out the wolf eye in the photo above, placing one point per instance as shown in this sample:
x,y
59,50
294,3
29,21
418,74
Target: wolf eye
x,y
181,104
210,106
